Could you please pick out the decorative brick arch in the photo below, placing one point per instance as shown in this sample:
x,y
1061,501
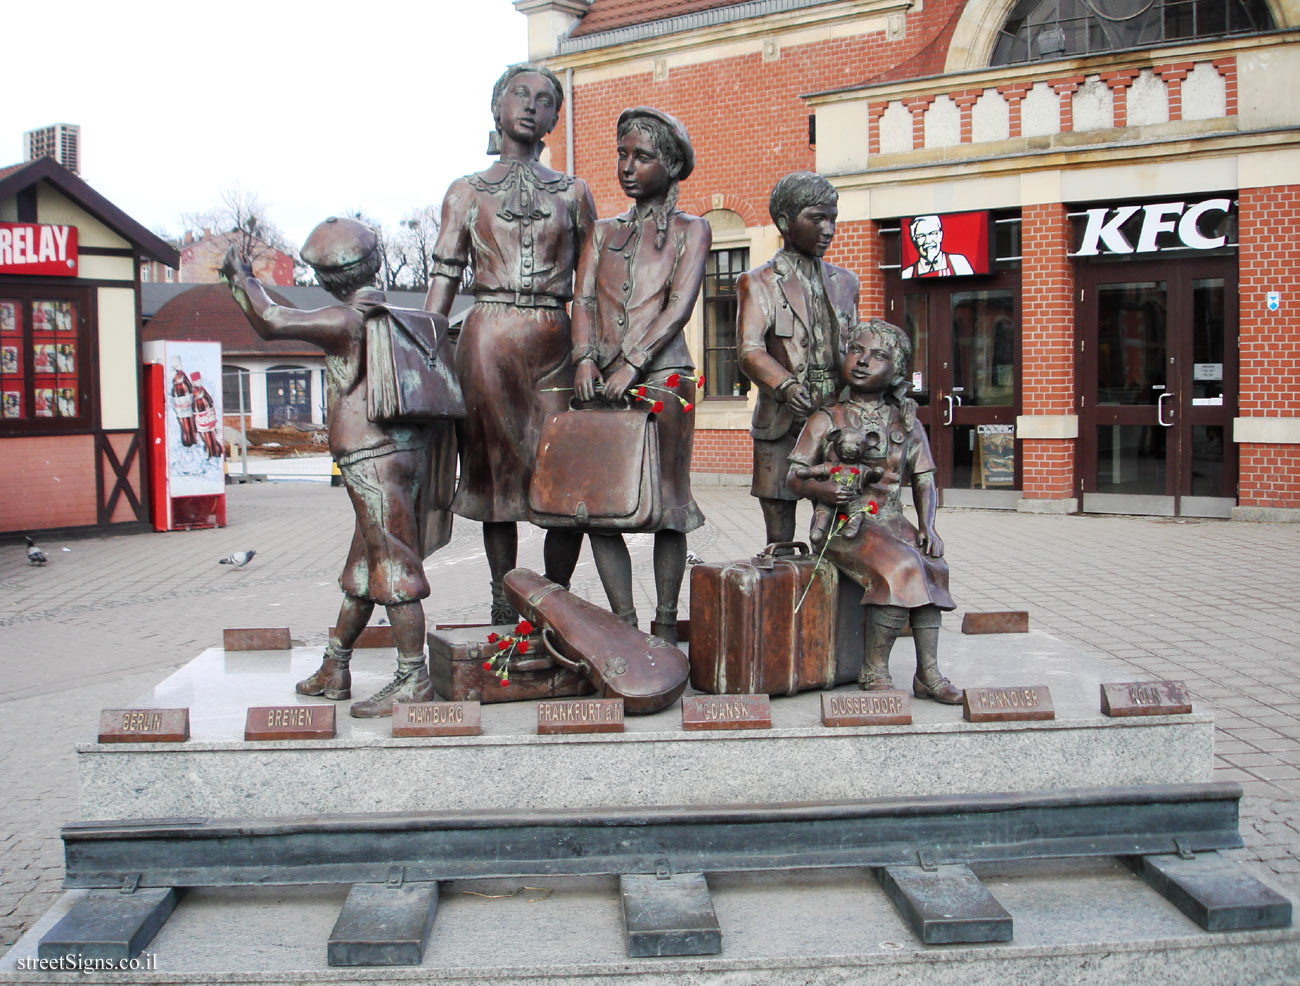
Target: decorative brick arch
x,y
977,30
699,205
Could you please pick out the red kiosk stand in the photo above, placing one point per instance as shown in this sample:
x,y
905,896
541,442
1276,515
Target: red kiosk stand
x,y
184,432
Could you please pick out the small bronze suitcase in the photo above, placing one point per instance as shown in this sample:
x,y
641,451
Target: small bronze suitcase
x,y
456,659
747,638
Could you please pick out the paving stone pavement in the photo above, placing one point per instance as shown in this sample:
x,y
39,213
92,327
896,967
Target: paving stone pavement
x,y
1213,603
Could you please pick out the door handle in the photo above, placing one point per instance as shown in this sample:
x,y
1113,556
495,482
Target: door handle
x,y
1160,410
948,420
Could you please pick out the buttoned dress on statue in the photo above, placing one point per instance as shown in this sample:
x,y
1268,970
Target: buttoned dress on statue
x,y
625,281
883,556
777,340
521,226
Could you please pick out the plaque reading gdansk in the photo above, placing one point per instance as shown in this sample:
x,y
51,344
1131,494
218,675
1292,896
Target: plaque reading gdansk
x,y
289,722
437,719
594,715
726,712
144,725
1008,704
890,708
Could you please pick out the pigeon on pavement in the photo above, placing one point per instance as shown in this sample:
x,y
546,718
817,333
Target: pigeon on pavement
x,y
239,559
694,559
35,556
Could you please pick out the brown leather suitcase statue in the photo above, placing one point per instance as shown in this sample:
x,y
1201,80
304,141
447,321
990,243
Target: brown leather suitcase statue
x,y
647,673
747,638
456,657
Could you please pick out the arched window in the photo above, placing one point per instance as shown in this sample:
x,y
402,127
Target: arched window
x,y
1038,30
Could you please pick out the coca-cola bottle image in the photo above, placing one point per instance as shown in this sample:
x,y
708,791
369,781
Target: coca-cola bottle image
x,y
183,403
205,417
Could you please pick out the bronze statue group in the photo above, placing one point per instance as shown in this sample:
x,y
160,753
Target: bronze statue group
x,y
573,313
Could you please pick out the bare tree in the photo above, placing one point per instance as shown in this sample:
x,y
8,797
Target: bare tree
x,y
240,211
416,235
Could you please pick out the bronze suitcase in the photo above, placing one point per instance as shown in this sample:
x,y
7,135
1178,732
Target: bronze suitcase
x,y
747,638
456,657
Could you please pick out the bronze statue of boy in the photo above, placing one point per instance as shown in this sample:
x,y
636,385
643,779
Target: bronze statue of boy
x,y
398,474
793,315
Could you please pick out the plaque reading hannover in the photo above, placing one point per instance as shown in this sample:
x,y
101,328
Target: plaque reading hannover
x,y
1008,704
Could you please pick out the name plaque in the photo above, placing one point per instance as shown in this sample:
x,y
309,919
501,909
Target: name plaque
x,y
437,719
726,712
144,725
1008,704
257,638
289,722
892,708
591,715
1005,621
1145,698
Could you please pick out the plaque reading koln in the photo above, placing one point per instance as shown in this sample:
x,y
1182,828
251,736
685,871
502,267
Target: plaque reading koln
x,y
1145,698
144,725
289,722
591,715
889,708
726,712
1008,704
437,719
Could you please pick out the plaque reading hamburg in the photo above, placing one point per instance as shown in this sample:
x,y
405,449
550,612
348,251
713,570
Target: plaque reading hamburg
x,y
437,719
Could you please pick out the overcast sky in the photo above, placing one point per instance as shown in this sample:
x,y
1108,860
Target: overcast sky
x,y
313,108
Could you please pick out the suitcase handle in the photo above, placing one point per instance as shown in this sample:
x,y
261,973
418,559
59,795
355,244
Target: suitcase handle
x,y
789,547
559,658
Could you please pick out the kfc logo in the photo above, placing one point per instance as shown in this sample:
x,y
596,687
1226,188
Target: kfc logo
x,y
1110,231
953,245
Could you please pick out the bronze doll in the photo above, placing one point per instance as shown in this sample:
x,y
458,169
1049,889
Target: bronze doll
x,y
398,475
793,313
636,287
520,226
900,567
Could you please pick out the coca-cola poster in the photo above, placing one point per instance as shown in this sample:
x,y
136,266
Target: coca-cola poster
x,y
195,431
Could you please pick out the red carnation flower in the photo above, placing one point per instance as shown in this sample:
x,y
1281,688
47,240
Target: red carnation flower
x,y
524,628
493,638
505,682
523,647
854,470
872,507
640,391
656,407
503,645
699,381
835,469
673,380
844,518
487,665
687,406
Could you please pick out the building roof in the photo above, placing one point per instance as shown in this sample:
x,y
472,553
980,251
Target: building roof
x,y
208,313
24,176
606,15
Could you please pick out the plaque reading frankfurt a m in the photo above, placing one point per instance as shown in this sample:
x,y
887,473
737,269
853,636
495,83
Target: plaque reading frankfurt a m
x,y
1008,704
726,712
583,715
144,725
867,709
436,719
289,722
1145,698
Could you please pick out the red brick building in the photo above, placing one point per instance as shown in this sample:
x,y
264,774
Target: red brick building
x,y
1130,178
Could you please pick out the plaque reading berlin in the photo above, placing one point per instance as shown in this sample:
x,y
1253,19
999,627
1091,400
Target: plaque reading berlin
x,y
289,722
144,725
1145,698
1008,704
726,712
436,719
591,715
891,708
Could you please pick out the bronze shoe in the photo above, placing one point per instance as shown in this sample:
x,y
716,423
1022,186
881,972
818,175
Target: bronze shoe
x,y
332,679
875,681
940,689
407,686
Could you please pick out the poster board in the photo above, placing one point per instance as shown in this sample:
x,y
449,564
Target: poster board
x,y
995,448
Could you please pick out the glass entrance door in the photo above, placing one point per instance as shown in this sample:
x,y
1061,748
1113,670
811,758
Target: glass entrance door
x,y
1158,346
966,380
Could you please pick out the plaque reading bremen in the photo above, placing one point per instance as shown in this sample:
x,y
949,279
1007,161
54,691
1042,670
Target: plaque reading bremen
x,y
726,712
592,715
436,719
892,708
1145,698
144,725
289,722
1008,704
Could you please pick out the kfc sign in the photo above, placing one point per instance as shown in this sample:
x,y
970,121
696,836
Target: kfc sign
x,y
1129,229
951,245
31,248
